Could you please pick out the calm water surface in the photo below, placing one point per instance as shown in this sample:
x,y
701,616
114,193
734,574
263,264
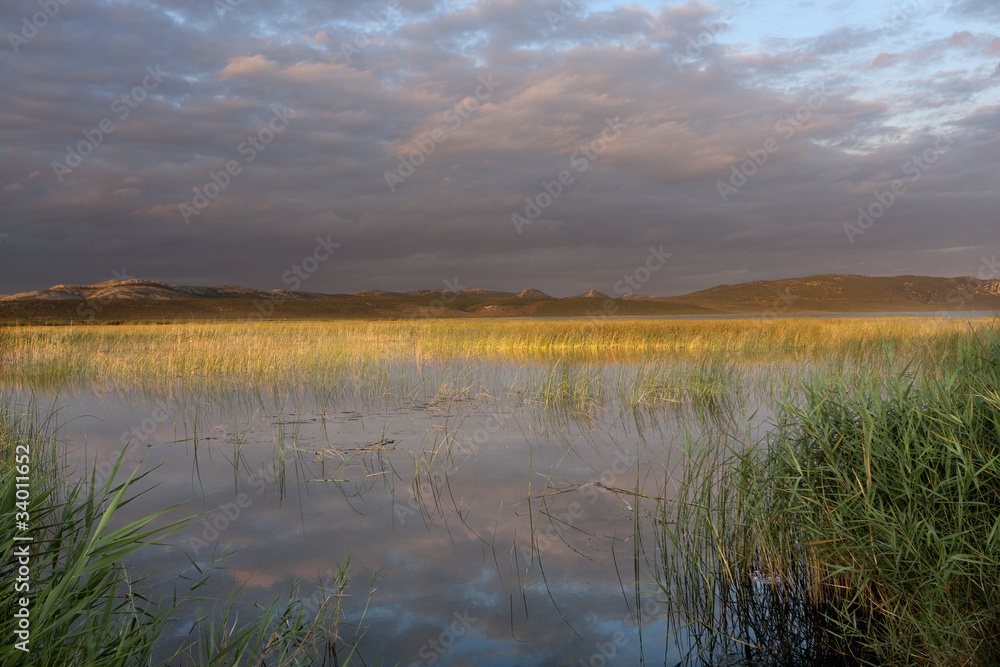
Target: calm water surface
x,y
483,527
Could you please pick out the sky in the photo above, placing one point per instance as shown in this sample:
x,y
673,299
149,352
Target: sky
x,y
562,145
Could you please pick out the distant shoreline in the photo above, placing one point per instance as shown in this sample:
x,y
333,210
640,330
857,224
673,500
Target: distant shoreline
x,y
134,301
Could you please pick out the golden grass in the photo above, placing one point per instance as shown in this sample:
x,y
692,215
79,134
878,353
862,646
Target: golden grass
x,y
258,351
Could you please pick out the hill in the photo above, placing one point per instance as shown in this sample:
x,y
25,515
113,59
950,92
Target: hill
x,y
834,293
155,301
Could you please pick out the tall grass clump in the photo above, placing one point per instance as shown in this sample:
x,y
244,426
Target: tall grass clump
x,y
84,607
863,529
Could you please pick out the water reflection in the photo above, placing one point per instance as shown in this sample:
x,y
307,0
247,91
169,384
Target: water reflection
x,y
496,515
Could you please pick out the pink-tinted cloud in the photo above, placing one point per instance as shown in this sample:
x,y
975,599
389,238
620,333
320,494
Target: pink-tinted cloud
x,y
248,66
886,59
961,40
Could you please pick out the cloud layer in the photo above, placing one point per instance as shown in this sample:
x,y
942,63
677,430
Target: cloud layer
x,y
503,143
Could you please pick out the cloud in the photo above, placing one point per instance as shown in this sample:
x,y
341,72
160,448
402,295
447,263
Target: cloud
x,y
699,89
248,66
986,9
886,59
961,40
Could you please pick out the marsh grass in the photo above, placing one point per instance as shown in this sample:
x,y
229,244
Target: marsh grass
x,y
568,369
367,356
290,631
773,549
87,609
865,528
84,609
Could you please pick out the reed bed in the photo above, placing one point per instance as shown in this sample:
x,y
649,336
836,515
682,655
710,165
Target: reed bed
x,y
258,351
862,529
83,605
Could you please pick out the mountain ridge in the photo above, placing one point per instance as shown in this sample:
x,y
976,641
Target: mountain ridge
x,y
138,299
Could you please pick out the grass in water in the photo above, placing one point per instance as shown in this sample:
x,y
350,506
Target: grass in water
x,y
370,354
864,525
80,606
864,529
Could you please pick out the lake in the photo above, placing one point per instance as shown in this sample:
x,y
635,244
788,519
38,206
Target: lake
x,y
489,523
511,503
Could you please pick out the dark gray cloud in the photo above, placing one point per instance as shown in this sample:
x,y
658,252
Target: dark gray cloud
x,y
977,8
223,140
